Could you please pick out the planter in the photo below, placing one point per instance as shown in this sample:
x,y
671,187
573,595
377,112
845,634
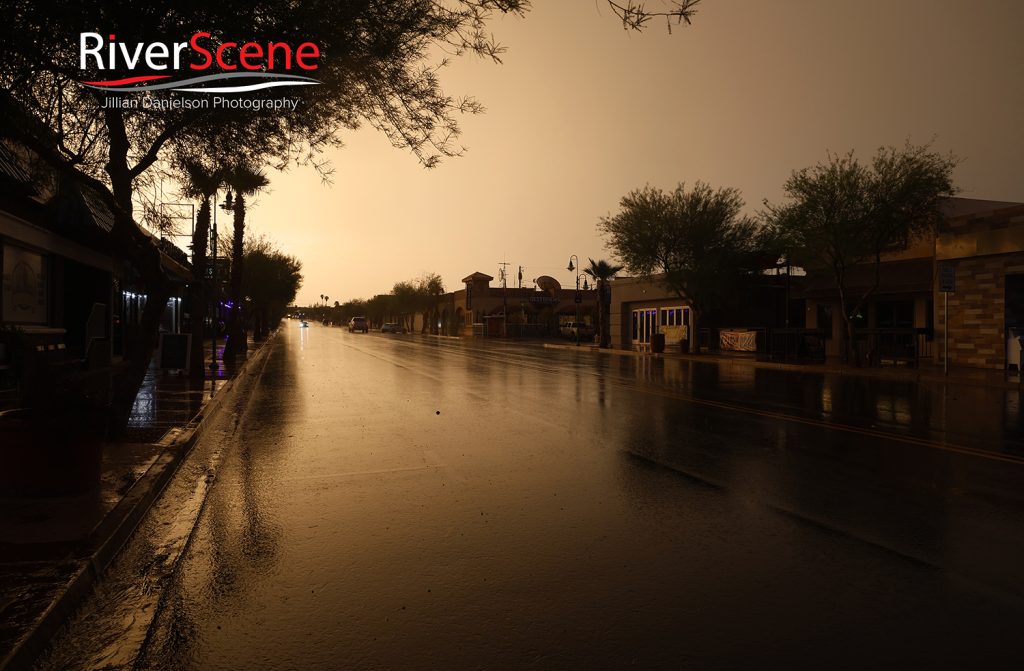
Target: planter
x,y
50,455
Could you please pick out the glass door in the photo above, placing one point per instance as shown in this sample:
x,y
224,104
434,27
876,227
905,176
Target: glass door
x,y
644,325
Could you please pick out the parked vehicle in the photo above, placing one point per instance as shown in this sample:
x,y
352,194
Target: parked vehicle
x,y
568,330
392,327
358,324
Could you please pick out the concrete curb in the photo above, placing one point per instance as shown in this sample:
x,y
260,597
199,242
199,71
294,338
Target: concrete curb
x,y
910,375
437,337
111,534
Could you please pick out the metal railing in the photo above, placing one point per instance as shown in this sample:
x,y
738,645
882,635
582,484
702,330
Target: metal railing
x,y
891,346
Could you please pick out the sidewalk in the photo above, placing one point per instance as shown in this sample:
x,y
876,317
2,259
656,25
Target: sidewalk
x,y
925,373
52,550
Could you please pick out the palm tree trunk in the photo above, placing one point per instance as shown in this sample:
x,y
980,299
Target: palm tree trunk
x,y
236,328
604,314
197,290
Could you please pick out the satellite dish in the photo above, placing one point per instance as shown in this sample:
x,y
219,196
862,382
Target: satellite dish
x,y
548,284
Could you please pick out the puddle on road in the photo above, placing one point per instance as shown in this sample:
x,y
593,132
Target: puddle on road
x,y
112,626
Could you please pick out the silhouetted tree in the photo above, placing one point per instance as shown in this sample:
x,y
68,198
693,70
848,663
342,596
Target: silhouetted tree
x,y
635,15
431,288
379,308
602,272
406,302
200,181
697,239
271,279
244,181
842,213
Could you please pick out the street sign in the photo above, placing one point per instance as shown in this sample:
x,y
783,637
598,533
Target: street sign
x,y
947,278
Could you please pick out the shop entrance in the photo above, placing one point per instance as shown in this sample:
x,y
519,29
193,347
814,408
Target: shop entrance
x,y
645,323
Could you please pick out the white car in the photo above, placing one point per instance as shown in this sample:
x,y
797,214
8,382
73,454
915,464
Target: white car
x,y
569,329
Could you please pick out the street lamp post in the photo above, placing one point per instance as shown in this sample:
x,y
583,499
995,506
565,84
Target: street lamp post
x,y
577,298
226,205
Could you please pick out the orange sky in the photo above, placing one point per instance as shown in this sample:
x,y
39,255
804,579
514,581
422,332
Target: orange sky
x,y
582,112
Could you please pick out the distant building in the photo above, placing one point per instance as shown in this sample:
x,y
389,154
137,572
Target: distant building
x,y
482,309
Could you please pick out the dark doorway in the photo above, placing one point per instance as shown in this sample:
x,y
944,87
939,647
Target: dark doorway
x,y
1015,300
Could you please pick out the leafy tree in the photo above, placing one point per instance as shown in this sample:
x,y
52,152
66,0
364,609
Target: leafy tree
x,y
379,308
843,213
271,279
350,309
406,302
696,239
431,288
602,272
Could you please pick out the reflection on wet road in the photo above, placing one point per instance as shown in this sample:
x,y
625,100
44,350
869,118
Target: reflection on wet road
x,y
410,503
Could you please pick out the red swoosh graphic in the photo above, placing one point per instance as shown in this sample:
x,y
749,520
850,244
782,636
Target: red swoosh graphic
x,y
129,80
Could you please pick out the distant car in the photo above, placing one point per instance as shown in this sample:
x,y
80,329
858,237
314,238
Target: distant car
x,y
568,330
391,327
358,324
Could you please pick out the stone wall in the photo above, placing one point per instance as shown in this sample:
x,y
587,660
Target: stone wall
x,y
977,310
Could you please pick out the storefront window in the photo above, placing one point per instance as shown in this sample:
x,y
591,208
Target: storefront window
x,y
24,286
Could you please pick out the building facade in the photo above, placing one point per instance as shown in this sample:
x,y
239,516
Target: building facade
x,y
484,310
642,307
67,304
906,318
983,243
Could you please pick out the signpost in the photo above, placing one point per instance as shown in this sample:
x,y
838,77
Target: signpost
x,y
947,285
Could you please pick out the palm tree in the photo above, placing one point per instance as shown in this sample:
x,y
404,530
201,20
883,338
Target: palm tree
x,y
244,180
602,271
202,182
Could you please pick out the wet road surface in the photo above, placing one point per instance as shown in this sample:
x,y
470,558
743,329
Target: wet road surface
x,y
394,502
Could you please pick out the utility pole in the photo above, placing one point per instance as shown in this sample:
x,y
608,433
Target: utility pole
x,y
521,269
504,299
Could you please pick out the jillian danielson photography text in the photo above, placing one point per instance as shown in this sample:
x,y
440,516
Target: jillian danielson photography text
x,y
211,102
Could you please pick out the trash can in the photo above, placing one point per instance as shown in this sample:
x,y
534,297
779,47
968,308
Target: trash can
x,y
657,343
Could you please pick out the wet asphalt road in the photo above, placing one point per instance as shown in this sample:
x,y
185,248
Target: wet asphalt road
x,y
401,503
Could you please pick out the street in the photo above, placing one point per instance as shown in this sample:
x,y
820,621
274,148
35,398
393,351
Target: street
x,y
397,502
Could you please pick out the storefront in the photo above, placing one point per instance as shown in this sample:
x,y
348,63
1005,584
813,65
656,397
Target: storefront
x,y
672,320
640,308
